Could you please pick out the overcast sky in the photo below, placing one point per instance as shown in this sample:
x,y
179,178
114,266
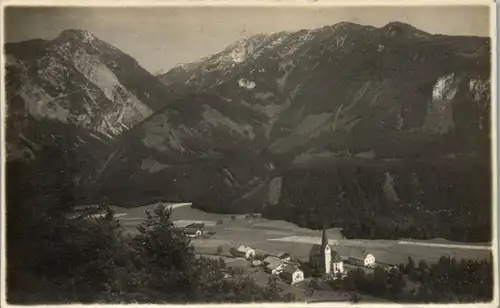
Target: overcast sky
x,y
160,38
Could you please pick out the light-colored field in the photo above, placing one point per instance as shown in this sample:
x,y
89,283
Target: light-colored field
x,y
376,243
454,246
277,236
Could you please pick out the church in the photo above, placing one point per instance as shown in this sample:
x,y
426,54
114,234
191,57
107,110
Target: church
x,y
324,260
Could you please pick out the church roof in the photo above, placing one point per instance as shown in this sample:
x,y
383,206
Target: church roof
x,y
315,249
324,238
336,257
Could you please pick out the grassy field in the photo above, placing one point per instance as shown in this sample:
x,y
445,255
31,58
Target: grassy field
x,y
279,236
272,237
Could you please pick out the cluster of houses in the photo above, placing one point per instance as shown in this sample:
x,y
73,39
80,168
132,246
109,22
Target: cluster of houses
x,y
322,261
281,264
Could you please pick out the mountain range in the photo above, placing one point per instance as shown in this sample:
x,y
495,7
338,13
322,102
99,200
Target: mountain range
x,y
384,132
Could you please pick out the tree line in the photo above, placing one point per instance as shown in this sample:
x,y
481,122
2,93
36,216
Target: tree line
x,y
432,202
447,281
55,257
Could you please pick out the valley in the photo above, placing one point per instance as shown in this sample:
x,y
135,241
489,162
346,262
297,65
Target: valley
x,y
373,141
274,236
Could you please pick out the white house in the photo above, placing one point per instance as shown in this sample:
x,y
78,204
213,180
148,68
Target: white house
x,y
292,275
246,252
367,260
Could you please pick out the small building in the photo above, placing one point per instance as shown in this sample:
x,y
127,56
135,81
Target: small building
x,y
256,263
292,275
367,260
193,232
273,265
285,256
246,252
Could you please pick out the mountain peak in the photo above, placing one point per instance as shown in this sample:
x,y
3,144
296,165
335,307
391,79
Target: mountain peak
x,y
398,27
77,34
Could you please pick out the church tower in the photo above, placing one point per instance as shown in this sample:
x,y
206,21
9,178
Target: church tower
x,y
326,250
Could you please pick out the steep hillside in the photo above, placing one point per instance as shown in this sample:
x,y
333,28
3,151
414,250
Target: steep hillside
x,y
377,99
76,92
198,148
346,83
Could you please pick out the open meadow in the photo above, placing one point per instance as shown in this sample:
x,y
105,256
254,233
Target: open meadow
x,y
274,236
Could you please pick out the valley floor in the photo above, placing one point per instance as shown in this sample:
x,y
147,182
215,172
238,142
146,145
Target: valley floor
x,y
276,236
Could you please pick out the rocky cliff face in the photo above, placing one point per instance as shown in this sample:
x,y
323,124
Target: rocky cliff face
x,y
342,121
78,88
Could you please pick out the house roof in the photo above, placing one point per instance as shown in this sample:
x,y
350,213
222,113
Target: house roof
x,y
355,254
245,249
191,230
283,255
272,262
196,225
356,258
290,270
317,250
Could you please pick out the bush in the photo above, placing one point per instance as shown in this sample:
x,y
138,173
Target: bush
x,y
219,250
233,251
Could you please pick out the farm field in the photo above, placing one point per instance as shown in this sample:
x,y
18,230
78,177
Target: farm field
x,y
278,236
274,236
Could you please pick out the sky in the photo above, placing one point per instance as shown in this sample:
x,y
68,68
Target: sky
x,y
160,38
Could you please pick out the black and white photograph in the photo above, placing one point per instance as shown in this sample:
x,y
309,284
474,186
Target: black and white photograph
x,y
215,154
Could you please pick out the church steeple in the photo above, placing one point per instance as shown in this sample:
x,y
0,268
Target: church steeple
x,y
324,239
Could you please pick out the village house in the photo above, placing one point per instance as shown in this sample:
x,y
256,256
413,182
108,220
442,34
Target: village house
x,y
245,252
365,260
256,263
292,275
323,260
285,256
273,265
193,232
